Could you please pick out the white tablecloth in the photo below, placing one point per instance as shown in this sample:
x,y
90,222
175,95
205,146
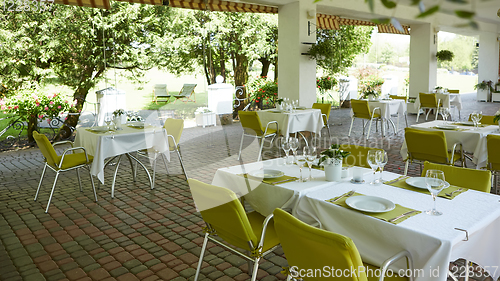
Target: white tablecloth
x,y
297,121
264,198
389,107
446,99
104,145
473,141
433,241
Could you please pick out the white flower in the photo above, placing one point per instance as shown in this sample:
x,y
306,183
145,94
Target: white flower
x,y
498,112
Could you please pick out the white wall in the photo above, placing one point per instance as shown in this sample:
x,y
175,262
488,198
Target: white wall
x,y
423,63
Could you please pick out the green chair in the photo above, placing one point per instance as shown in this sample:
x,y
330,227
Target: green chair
x,y
486,119
309,248
252,127
357,156
186,92
66,162
430,146
174,128
225,217
361,109
160,91
479,180
428,101
325,114
405,98
493,146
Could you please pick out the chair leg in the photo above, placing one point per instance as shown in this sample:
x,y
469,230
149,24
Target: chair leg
x,y
406,167
369,128
255,269
79,180
154,171
200,261
52,192
260,150
92,182
182,163
114,177
40,183
350,128
328,130
165,163
241,146
418,115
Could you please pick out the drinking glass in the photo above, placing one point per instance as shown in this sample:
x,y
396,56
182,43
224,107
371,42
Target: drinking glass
x,y
476,117
300,160
108,121
285,145
479,117
382,159
434,180
294,145
372,159
445,112
310,154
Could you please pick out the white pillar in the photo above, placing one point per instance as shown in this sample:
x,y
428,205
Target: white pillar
x,y
423,63
488,58
296,72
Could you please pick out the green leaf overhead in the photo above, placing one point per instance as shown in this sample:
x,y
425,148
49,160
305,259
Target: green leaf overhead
x,y
389,4
382,20
371,4
464,14
429,12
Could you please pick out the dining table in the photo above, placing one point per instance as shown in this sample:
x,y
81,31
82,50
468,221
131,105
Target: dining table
x,y
472,140
467,229
388,108
102,143
297,120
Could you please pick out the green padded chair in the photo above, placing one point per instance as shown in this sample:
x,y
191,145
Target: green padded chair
x,y
66,162
357,156
325,113
479,180
307,247
486,120
493,145
428,101
252,127
361,109
430,146
225,217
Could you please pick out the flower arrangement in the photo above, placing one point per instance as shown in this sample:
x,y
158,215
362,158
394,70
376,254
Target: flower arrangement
x,y
202,110
371,85
444,55
325,83
333,153
30,105
263,91
484,85
118,112
497,117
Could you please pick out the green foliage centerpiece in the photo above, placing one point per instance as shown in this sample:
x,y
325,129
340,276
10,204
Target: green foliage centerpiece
x,y
444,55
331,159
263,92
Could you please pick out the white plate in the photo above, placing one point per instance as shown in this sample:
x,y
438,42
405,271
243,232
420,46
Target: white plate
x,y
300,107
276,110
447,127
466,123
98,129
266,174
136,125
419,182
370,204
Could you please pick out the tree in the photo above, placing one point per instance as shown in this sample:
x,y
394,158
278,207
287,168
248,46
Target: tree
x,y
335,50
79,45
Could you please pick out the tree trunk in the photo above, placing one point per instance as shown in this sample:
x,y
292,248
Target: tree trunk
x,y
32,127
276,71
265,66
222,64
207,76
241,70
65,131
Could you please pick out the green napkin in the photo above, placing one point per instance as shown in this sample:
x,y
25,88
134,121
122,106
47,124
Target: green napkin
x,y
273,181
472,125
96,132
387,216
317,167
456,129
401,183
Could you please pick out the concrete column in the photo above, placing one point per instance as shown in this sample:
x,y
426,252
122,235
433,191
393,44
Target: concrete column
x,y
423,62
296,72
488,57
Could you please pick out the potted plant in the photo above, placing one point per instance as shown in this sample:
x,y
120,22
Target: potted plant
x,y
370,94
117,118
484,90
331,159
444,55
497,117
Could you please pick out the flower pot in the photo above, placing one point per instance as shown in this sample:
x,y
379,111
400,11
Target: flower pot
x,y
333,170
371,97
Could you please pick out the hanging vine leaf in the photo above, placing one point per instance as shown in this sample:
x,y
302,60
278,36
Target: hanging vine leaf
x,y
458,1
388,4
382,21
371,4
429,12
464,14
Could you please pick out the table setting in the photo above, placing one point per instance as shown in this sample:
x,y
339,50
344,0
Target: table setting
x,y
293,119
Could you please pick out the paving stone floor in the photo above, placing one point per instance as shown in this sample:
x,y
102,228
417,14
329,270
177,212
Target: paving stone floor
x,y
141,234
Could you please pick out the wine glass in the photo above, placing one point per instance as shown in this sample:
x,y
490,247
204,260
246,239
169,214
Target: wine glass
x,y
475,117
285,145
382,159
108,121
300,160
445,112
434,180
479,117
294,145
372,159
310,154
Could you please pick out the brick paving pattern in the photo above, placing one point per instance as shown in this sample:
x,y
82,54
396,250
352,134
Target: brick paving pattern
x,y
141,234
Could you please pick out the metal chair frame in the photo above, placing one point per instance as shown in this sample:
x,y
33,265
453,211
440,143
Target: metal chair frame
x,y
261,138
371,119
429,110
58,170
420,162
